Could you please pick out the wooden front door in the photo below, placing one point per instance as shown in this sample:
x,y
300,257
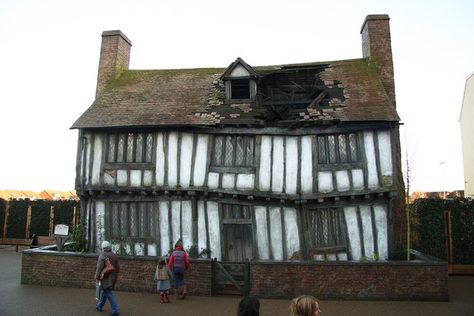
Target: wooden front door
x,y
237,233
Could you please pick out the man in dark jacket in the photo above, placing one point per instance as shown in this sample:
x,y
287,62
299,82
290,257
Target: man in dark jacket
x,y
108,280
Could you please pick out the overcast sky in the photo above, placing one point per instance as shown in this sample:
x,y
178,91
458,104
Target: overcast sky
x,y
50,52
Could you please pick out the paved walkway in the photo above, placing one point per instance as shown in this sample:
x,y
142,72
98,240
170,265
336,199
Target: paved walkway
x,y
17,299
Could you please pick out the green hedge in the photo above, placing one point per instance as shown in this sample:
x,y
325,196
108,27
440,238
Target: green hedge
x,y
40,216
40,211
16,226
3,205
428,224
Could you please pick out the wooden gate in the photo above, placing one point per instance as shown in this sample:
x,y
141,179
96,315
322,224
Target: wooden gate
x,y
231,278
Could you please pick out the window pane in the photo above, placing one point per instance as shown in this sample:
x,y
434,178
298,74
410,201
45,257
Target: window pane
x,y
111,151
236,209
130,139
217,157
353,148
227,211
139,148
133,220
322,157
239,155
120,148
115,220
149,148
342,148
240,88
123,220
332,149
229,151
249,142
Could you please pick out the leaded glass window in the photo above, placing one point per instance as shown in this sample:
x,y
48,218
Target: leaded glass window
x,y
340,148
129,147
233,151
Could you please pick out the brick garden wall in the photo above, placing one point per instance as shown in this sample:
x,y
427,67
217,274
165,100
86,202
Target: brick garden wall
x,y
341,280
42,267
351,280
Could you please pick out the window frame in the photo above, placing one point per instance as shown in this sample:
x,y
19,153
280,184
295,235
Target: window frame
x,y
221,162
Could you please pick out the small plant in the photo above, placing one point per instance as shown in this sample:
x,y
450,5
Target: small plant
x,y
375,256
78,237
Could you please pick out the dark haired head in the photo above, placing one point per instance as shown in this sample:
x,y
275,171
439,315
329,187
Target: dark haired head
x,y
249,306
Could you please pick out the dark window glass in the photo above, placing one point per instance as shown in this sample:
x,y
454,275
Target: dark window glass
x,y
240,88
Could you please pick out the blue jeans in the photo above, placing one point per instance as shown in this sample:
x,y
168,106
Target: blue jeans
x,y
107,294
178,277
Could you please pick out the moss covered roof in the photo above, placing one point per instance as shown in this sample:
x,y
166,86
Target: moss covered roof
x,y
196,97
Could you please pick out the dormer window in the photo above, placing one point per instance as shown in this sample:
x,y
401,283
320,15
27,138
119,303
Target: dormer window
x,y
240,88
239,81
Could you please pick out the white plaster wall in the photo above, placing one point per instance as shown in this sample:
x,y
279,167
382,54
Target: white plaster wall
x,y
262,232
185,160
276,233
278,167
97,163
245,181
175,221
100,223
228,181
202,237
366,219
325,184
164,227
342,256
265,163
306,165
350,214
291,230
147,178
358,179
380,214
239,71
152,250
135,178
172,159
160,161
200,161
122,177
342,179
372,174
213,180
187,224
214,230
291,165
385,152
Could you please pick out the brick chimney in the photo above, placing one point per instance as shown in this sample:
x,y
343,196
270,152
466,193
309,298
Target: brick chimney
x,y
377,47
114,57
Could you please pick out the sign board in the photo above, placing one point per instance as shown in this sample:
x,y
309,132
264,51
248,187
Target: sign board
x,y
61,229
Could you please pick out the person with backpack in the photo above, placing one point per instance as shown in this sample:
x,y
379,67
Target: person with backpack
x,y
179,263
106,273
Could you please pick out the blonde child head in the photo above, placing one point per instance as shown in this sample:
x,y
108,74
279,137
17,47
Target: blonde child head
x,y
305,305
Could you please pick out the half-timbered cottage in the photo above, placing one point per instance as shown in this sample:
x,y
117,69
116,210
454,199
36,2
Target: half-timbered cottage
x,y
281,162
